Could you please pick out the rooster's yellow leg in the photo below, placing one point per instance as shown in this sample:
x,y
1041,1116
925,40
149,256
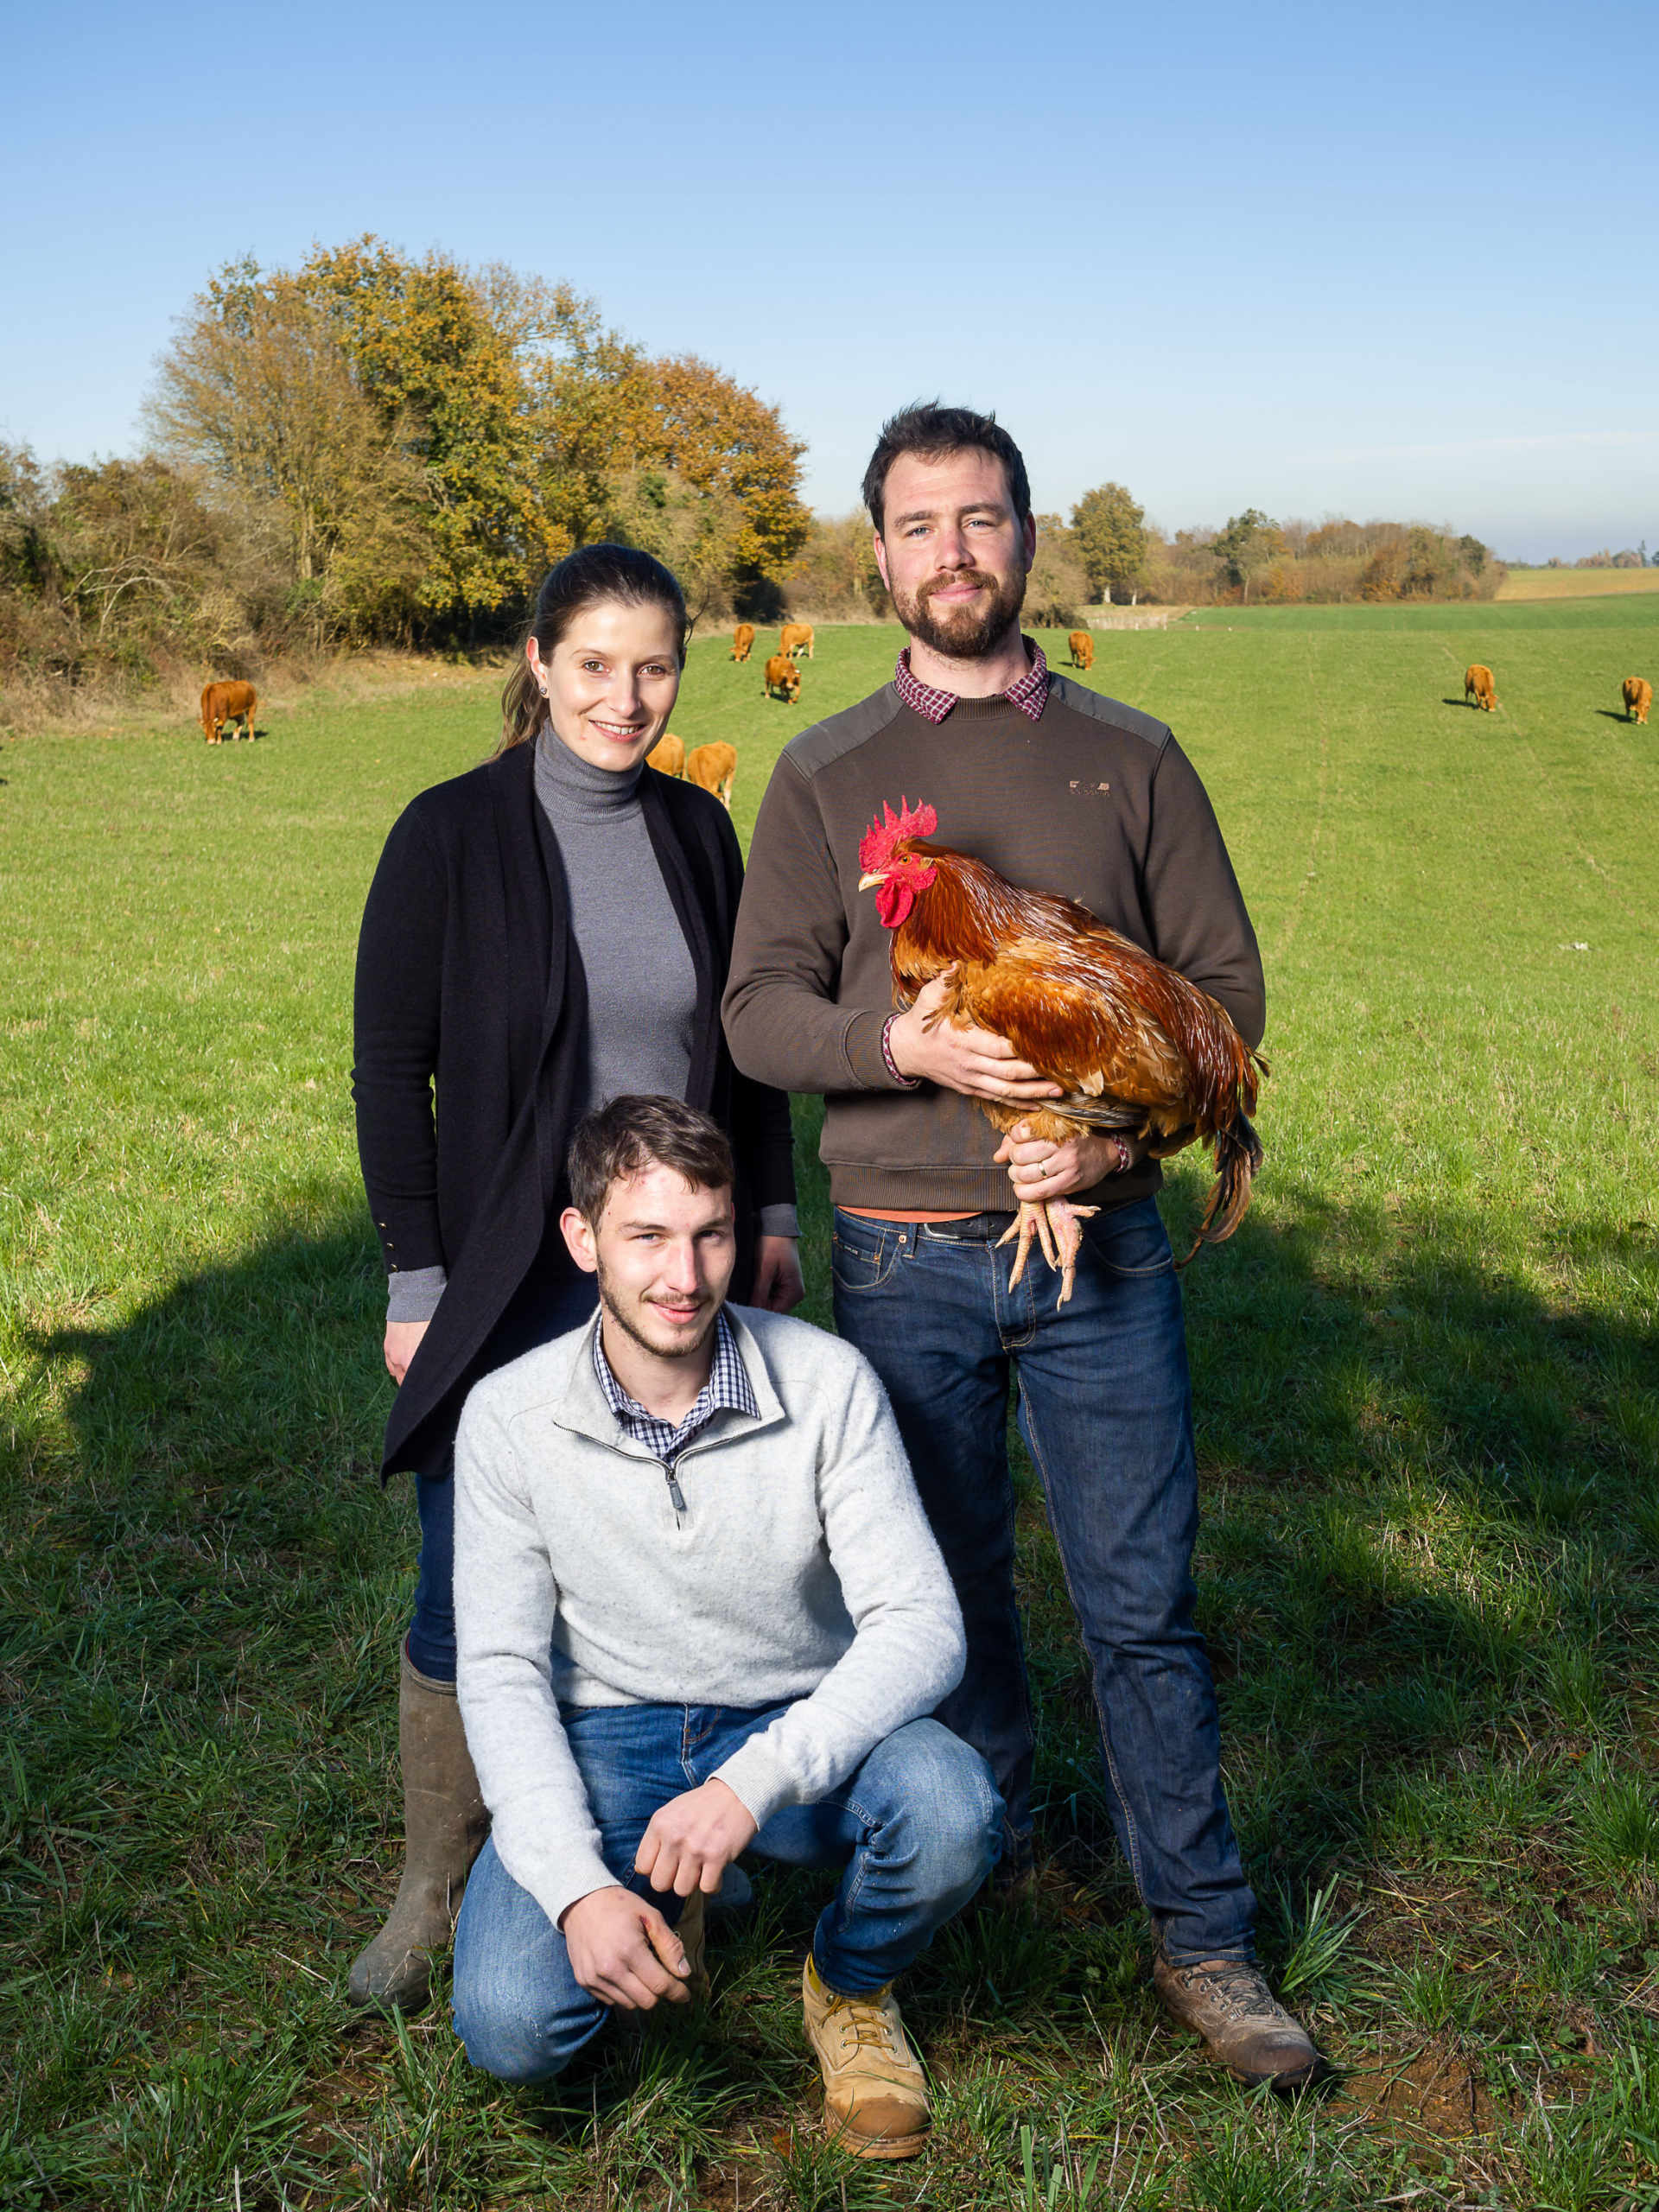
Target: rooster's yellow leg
x,y
1054,1226
1024,1225
1066,1221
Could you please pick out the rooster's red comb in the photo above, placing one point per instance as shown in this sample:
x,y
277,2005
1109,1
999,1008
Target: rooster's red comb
x,y
880,840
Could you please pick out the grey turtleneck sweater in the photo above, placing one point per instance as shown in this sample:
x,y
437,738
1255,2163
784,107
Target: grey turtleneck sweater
x,y
642,987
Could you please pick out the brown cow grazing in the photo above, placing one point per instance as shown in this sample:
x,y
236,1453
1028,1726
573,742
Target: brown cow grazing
x,y
667,756
1478,680
1083,649
796,637
228,703
742,640
1638,697
714,768
782,679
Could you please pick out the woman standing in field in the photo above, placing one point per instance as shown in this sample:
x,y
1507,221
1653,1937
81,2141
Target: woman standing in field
x,y
543,933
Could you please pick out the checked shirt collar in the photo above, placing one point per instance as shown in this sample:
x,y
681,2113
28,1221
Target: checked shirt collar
x,y
728,1385
1030,693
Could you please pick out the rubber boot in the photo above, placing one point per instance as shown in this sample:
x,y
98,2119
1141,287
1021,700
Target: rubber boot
x,y
444,1828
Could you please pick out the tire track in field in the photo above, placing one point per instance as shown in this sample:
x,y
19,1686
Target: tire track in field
x,y
1310,874
1543,781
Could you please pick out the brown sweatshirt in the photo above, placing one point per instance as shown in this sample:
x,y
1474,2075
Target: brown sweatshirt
x,y
1095,801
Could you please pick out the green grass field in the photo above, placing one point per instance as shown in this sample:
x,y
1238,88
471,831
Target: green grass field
x,y
1429,1404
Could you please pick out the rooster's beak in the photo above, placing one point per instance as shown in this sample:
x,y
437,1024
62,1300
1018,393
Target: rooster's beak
x,y
869,882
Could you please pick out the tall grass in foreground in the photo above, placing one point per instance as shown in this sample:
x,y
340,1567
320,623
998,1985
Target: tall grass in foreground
x,y
1428,1398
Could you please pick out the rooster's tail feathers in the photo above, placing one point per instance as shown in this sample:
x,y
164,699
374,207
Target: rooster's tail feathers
x,y
1238,1162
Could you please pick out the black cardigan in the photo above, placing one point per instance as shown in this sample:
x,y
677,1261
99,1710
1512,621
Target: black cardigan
x,y
466,974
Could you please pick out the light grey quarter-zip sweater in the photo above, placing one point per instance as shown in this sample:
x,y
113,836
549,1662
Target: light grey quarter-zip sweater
x,y
801,1571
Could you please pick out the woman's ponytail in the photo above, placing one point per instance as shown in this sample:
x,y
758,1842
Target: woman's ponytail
x,y
523,703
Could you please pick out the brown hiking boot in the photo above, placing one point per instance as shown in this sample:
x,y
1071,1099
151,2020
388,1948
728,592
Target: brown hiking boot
x,y
444,1828
874,2097
1247,2029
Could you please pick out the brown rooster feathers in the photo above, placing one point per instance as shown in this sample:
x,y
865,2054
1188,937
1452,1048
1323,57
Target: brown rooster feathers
x,y
1136,1047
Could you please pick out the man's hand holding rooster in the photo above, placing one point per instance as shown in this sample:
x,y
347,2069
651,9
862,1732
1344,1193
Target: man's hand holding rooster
x,y
976,1062
1040,1170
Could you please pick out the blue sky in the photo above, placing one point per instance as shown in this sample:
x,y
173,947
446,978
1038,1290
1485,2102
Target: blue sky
x,y
1316,259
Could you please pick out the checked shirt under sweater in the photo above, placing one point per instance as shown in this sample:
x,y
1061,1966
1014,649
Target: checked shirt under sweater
x,y
728,1385
1029,695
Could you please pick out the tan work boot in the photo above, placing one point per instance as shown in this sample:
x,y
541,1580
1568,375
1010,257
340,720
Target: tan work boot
x,y
874,2096
1247,2029
444,1828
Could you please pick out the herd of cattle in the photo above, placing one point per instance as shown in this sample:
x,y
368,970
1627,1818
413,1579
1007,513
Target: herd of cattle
x,y
1481,685
714,766
782,678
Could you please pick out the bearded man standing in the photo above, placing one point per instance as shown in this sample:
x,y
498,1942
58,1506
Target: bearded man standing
x,y
1062,790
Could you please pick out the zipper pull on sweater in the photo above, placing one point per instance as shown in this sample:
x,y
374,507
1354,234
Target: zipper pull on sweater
x,y
676,1495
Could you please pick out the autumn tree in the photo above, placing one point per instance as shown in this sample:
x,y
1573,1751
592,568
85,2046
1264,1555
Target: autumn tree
x,y
1247,544
610,411
695,533
1337,538
591,401
134,550
430,437
727,441
1059,533
1057,588
258,394
835,571
439,352
1431,564
1111,540
118,568
35,637
25,554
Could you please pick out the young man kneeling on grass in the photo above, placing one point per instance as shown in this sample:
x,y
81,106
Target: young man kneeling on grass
x,y
699,1611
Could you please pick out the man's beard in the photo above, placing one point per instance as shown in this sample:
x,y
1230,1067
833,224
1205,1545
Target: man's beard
x,y
625,1321
968,632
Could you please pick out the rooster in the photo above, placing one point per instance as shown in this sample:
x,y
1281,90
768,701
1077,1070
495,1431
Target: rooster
x,y
1135,1047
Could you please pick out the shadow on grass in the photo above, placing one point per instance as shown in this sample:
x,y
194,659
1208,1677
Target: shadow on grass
x,y
248,1398
201,1582
204,1517
1429,1498
201,1504
1430,1522
1427,1574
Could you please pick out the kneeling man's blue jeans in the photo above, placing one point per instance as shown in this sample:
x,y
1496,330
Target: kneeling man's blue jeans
x,y
915,1830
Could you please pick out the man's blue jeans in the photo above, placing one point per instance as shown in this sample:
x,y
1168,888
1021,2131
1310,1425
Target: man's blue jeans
x,y
1105,1410
916,1829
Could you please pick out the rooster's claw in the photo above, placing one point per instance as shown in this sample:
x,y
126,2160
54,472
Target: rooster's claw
x,y
1055,1226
